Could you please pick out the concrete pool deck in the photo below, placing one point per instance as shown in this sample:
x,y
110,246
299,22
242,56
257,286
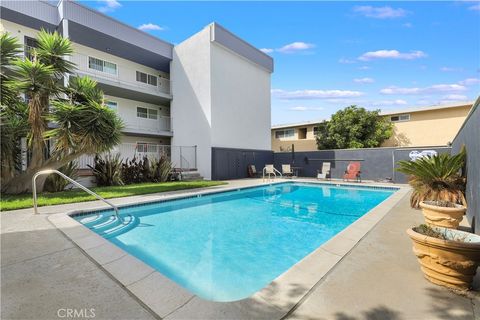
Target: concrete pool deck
x,y
43,272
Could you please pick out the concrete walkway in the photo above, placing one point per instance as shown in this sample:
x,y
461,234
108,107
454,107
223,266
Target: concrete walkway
x,y
43,274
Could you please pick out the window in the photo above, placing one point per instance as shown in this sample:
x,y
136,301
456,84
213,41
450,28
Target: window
x,y
401,117
287,133
102,65
30,44
146,147
315,131
147,113
112,105
146,78
302,133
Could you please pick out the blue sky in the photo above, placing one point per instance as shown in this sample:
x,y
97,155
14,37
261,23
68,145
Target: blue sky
x,y
328,55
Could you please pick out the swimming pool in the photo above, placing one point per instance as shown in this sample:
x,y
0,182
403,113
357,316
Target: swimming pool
x,y
228,245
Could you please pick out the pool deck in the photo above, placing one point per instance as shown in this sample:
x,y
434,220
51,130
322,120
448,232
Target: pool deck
x,y
368,273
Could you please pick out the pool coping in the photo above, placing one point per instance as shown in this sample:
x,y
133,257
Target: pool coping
x,y
169,300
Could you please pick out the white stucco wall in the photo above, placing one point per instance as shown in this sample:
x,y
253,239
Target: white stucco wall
x,y
17,30
220,99
240,101
190,107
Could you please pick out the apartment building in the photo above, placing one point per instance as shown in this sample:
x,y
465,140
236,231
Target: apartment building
x,y
301,135
427,126
174,100
413,127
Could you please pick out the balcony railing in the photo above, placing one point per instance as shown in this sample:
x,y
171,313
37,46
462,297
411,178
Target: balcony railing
x,y
124,76
162,124
182,157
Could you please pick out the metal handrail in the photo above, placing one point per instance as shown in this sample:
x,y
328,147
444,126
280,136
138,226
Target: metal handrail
x,y
34,190
275,171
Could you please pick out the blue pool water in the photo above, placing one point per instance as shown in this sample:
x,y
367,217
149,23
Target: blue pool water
x,y
229,245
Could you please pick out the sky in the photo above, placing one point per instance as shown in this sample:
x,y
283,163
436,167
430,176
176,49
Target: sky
x,y
329,55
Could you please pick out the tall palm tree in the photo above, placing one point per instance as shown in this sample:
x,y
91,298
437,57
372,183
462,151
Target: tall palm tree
x,y
82,123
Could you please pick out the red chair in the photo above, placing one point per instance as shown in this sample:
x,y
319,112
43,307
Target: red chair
x,y
353,172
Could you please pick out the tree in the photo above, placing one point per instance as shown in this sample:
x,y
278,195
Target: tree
x,y
353,127
73,119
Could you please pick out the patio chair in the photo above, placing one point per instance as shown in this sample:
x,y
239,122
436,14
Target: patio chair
x,y
252,171
287,170
325,173
269,170
353,172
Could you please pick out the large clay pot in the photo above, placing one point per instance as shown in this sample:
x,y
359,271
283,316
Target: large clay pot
x,y
450,263
442,216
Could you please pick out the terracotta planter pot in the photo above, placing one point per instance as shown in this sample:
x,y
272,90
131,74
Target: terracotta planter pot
x,y
448,217
449,263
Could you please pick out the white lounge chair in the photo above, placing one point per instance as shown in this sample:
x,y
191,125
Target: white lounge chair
x,y
270,171
325,173
287,170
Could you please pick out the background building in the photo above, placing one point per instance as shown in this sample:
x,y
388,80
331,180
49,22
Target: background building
x,y
413,127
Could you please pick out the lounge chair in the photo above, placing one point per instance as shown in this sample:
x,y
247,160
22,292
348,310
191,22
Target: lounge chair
x,y
270,171
325,173
287,170
353,172
252,171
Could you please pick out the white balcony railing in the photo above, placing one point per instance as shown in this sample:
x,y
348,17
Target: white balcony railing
x,y
182,157
162,124
125,76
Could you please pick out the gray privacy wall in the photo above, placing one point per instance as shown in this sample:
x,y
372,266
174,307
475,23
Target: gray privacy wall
x,y
469,136
230,163
376,163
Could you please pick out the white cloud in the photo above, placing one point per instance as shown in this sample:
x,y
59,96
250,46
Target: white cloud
x,y
475,7
437,88
109,5
469,81
364,68
363,80
397,102
295,47
380,12
450,69
346,61
407,25
303,108
392,54
150,26
314,94
267,50
455,97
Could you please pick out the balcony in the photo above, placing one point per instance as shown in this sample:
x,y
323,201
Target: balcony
x,y
148,127
121,81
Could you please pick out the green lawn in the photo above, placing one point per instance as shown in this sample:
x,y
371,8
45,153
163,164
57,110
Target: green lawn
x,y
12,202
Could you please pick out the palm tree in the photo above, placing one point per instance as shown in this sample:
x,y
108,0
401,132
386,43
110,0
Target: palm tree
x,y
81,122
436,178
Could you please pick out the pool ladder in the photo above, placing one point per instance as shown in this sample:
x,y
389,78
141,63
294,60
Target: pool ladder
x,y
50,171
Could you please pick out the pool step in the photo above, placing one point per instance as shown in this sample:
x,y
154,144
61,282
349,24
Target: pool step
x,y
109,226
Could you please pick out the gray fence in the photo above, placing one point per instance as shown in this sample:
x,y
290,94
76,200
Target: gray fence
x,y
377,163
469,136
230,163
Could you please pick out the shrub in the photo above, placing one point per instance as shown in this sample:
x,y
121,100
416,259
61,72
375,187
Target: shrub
x,y
160,169
135,171
107,170
436,178
56,183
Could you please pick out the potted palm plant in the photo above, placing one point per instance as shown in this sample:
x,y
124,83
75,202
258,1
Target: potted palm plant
x,y
438,188
447,257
